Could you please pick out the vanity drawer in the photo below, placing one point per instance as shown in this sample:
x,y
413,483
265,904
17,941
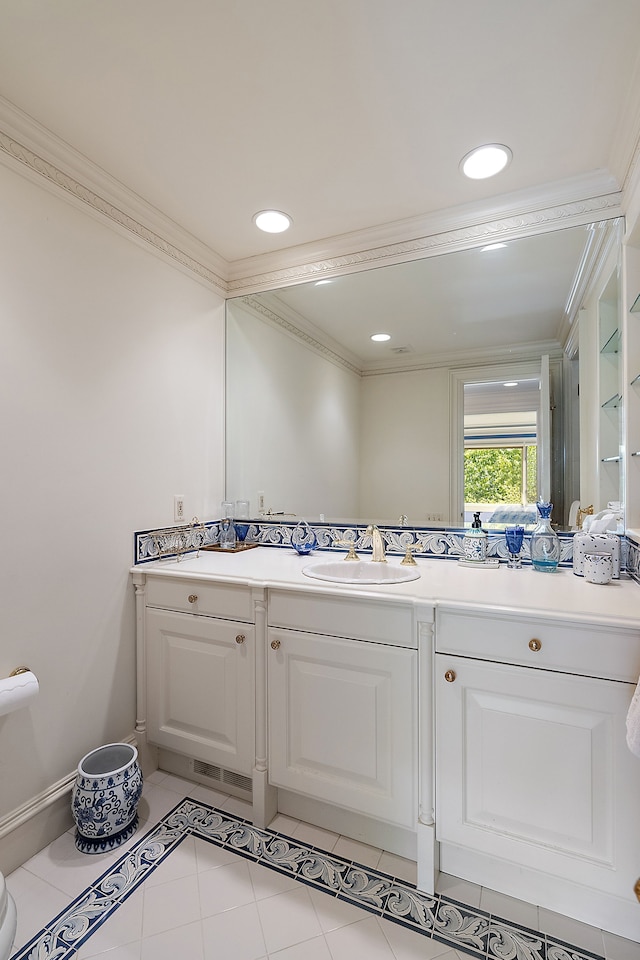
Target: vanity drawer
x,y
223,600
357,619
553,644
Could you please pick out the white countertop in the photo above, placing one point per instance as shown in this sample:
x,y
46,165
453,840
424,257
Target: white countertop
x,y
443,582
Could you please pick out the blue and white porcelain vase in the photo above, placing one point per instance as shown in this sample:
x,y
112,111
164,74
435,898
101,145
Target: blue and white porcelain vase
x,y
104,798
545,543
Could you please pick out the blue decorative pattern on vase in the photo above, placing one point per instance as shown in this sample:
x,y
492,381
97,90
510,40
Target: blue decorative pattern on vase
x,y
104,798
303,539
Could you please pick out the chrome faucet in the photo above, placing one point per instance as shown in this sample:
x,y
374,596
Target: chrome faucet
x,y
377,544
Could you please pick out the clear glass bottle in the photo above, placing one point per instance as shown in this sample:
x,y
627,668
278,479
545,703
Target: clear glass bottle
x,y
227,538
545,544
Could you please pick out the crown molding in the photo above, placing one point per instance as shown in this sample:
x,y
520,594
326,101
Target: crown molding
x,y
477,358
509,218
283,318
33,151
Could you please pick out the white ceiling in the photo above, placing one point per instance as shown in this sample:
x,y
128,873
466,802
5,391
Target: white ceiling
x,y
351,115
347,114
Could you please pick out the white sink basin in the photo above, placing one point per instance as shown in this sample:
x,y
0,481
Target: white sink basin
x,y
359,571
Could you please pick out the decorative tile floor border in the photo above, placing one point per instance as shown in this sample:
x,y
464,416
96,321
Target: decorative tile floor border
x,y
464,928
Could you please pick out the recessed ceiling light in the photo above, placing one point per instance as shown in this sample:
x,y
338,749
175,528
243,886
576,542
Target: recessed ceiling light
x,y
380,337
510,383
493,246
485,161
272,221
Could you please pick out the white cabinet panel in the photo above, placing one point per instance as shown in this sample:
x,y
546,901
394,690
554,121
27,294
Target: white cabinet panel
x,y
545,643
532,767
228,601
367,619
342,723
200,687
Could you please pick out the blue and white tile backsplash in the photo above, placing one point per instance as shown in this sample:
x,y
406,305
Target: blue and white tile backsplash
x,y
443,543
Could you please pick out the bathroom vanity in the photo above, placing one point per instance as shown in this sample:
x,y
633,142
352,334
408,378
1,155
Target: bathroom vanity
x,y
473,720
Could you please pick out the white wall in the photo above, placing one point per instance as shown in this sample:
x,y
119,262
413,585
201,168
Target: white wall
x,y
111,386
293,421
405,449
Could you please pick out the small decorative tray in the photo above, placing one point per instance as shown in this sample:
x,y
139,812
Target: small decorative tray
x,y
237,549
492,563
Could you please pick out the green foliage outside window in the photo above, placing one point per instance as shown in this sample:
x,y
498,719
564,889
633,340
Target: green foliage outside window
x,y
495,474
532,474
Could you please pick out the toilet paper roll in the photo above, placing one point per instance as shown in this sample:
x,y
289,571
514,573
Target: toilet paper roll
x,y
18,691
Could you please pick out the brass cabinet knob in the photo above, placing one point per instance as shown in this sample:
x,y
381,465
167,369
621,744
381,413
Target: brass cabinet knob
x,y
193,598
636,889
534,645
240,638
275,644
450,676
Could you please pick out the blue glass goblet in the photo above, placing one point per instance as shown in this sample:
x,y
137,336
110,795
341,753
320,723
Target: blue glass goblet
x,y
514,537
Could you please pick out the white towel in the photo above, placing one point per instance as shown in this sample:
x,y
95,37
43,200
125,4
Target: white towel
x,y
633,723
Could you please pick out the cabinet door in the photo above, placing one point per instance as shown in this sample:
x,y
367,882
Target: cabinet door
x,y
343,721
200,687
532,767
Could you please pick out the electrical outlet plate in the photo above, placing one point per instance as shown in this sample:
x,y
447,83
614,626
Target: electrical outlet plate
x,y
178,508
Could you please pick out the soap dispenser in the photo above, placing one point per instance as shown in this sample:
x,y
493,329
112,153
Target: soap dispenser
x,y
474,544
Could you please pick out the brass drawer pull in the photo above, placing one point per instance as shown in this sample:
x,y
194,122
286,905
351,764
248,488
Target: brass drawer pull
x,y
450,676
193,598
275,644
535,645
240,638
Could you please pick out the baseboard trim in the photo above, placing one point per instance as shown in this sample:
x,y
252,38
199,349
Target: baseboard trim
x,y
398,840
38,822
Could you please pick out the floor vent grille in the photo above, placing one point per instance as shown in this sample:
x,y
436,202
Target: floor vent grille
x,y
207,770
219,774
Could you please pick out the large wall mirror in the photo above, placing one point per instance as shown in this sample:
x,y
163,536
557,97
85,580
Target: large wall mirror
x,y
323,422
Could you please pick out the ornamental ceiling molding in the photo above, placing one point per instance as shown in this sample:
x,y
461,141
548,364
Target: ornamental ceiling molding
x,y
29,148
261,310
559,216
22,158
478,357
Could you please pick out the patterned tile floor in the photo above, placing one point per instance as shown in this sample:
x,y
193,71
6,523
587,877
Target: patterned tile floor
x,y
198,881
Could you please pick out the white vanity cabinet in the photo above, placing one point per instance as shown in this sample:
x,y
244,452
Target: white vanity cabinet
x,y
199,648
537,794
342,703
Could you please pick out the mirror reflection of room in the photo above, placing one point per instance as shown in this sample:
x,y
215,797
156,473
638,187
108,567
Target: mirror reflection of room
x,y
322,421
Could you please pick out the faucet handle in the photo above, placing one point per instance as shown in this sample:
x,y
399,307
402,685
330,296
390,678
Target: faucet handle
x,y
352,555
408,560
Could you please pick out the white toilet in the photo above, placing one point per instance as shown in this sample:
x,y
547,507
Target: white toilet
x,y
8,921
